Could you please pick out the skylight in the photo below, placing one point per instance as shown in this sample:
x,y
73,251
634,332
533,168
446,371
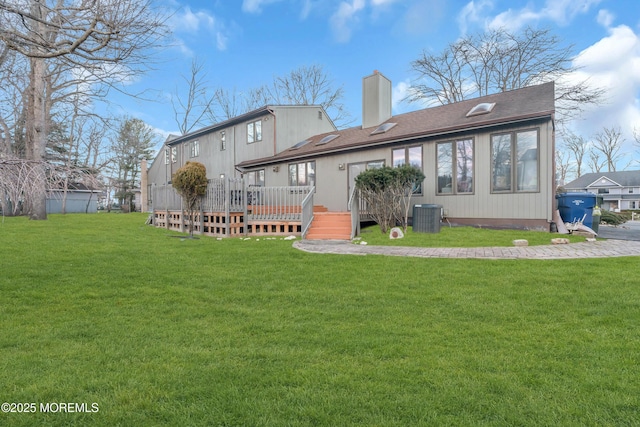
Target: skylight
x,y
383,128
299,144
327,139
483,108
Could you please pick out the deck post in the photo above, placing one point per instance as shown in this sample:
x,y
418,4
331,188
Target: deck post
x,y
227,202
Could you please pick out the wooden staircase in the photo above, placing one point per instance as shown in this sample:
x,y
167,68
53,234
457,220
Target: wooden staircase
x,y
330,226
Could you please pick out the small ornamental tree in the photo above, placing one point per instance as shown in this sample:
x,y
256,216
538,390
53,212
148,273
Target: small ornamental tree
x,y
409,182
388,192
190,181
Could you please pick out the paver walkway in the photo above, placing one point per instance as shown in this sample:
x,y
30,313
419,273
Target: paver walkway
x,y
598,249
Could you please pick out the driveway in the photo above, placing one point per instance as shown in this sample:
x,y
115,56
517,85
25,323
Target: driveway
x,y
630,230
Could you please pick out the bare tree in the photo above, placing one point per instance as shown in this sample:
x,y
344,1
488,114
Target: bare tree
x,y
307,85
577,145
595,163
310,85
498,61
609,142
562,167
191,110
636,137
106,39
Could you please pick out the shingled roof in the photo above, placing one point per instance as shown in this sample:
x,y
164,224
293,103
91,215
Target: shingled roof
x,y
529,103
621,178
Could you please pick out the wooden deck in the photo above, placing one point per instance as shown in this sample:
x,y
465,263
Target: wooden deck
x,y
215,224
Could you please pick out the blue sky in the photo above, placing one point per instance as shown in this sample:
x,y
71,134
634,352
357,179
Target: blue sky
x,y
245,43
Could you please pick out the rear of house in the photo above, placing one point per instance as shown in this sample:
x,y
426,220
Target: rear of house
x,y
487,161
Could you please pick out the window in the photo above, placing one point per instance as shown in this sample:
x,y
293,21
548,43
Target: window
x,y
519,149
302,173
408,155
223,141
455,167
254,132
255,178
166,156
174,154
195,148
376,164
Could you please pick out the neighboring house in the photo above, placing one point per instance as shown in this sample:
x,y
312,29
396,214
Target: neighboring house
x,y
615,191
79,199
488,161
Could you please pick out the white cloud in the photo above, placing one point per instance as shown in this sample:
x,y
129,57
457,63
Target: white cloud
x,y
192,22
255,6
343,20
382,2
605,18
560,12
189,22
473,13
306,9
612,63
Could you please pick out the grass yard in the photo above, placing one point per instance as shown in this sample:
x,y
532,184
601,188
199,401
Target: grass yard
x,y
455,237
161,331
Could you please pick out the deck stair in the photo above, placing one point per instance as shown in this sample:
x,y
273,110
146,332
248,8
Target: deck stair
x,y
330,226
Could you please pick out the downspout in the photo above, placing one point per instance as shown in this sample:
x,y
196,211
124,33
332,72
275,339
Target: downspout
x,y
275,146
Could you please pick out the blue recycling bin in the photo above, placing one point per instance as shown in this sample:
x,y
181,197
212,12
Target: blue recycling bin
x,y
574,206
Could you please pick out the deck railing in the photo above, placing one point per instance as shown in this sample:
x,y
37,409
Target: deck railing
x,y
276,203
307,213
229,197
164,197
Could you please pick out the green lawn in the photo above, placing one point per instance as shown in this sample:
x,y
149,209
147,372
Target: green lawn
x,y
162,331
453,237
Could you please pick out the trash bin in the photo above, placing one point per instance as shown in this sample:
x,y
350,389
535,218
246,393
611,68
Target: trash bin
x,y
574,206
426,218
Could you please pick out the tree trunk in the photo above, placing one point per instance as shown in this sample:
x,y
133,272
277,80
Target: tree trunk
x,y
37,137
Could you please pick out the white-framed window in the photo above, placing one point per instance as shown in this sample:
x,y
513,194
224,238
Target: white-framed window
x,y
302,173
223,140
254,131
455,167
174,154
519,149
195,148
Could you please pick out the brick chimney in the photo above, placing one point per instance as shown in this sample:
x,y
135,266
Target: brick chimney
x,y
376,100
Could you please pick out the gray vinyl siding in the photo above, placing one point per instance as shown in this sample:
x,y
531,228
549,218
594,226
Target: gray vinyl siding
x,y
287,126
332,182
